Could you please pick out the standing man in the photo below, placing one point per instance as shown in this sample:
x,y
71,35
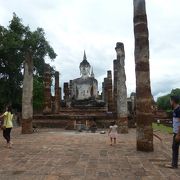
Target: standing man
x,y
176,130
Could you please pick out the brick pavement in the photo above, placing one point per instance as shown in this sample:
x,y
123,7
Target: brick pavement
x,y
55,154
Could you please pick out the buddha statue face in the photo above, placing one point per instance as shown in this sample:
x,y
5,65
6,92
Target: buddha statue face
x,y
85,71
85,67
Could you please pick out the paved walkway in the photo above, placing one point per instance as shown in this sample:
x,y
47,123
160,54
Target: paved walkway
x,y
54,154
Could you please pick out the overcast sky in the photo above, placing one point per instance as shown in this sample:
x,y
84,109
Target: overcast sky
x,y
96,25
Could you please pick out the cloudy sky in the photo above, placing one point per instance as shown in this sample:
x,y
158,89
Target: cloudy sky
x,y
96,25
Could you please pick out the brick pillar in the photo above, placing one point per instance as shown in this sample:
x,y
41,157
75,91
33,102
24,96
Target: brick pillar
x,y
60,91
66,91
109,91
105,91
144,113
115,64
122,112
57,93
47,90
70,88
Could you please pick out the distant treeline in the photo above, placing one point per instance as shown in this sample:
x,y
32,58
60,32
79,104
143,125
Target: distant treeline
x,y
163,102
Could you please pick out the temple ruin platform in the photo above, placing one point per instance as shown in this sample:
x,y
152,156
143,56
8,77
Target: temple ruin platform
x,y
56,154
67,118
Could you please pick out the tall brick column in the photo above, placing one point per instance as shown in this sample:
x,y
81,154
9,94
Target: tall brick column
x,y
47,90
115,65
105,91
144,114
66,91
60,91
57,93
70,88
109,91
122,111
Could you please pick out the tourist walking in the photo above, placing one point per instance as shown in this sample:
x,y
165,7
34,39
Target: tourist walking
x,y
176,131
7,125
113,132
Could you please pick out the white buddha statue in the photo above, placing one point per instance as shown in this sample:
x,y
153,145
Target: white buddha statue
x,y
85,87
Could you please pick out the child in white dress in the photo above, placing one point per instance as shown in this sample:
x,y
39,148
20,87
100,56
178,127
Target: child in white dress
x,y
113,132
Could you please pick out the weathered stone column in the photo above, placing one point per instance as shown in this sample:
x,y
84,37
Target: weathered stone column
x,y
143,88
122,112
57,93
115,65
109,91
47,90
27,95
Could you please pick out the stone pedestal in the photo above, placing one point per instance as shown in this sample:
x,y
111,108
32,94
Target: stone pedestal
x,y
122,111
57,93
47,90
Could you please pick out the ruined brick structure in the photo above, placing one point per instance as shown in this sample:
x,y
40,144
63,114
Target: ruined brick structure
x,y
70,87
115,64
66,91
47,90
57,93
105,91
109,91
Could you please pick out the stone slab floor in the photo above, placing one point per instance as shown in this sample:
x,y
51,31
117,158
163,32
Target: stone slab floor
x,y
55,154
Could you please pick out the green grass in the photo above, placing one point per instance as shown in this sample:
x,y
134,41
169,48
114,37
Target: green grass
x,y
162,128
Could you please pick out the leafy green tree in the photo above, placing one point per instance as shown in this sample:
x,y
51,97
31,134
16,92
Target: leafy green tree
x,y
176,92
163,102
15,41
38,93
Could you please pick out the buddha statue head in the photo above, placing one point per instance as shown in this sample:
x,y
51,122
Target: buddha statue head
x,y
85,67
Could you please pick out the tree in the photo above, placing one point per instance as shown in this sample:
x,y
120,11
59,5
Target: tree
x,y
11,60
18,44
163,102
143,88
14,42
175,92
38,93
36,47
